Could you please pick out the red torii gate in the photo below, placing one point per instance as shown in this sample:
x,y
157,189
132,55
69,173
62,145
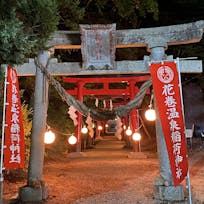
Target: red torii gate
x,y
126,93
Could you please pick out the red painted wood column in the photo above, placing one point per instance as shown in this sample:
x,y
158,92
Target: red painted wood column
x,y
98,132
79,117
133,115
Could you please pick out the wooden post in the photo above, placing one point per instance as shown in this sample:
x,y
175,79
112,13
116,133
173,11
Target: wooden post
x,y
133,114
79,118
98,132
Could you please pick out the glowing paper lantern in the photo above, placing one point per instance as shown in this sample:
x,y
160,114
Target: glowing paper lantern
x,y
100,127
150,115
84,130
72,140
49,137
136,136
128,132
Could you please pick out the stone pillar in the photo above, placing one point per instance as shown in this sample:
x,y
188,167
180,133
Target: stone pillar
x,y
164,190
35,190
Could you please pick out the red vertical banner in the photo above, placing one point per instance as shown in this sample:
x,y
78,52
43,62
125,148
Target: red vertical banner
x,y
166,85
14,152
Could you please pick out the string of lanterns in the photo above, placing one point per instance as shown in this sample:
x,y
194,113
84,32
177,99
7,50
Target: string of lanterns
x,y
150,115
49,136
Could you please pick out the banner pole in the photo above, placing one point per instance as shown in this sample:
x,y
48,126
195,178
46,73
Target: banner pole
x,y
189,188
3,136
188,175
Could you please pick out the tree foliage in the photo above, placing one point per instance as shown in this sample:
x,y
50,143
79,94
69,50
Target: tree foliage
x,y
27,113
25,26
15,45
71,13
40,17
125,13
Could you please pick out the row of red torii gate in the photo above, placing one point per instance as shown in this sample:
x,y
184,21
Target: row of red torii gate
x,y
110,96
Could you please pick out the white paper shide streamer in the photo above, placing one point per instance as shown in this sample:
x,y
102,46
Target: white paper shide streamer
x,y
73,115
90,126
119,128
96,102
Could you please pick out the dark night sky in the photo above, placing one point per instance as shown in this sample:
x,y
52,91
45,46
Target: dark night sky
x,y
178,11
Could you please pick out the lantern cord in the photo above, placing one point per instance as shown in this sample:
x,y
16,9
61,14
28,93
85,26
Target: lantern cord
x,y
61,133
84,110
151,100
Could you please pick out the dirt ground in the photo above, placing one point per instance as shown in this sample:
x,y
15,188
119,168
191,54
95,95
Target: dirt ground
x,y
106,175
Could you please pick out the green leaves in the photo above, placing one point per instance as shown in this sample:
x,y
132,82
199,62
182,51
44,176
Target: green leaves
x,y
149,7
71,13
125,13
25,28
125,8
40,18
15,45
136,10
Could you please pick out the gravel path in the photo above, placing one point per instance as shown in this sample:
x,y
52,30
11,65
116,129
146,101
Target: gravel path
x,y
196,164
107,176
131,193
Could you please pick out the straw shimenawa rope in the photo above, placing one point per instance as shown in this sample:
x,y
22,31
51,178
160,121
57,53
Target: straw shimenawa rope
x,y
84,110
